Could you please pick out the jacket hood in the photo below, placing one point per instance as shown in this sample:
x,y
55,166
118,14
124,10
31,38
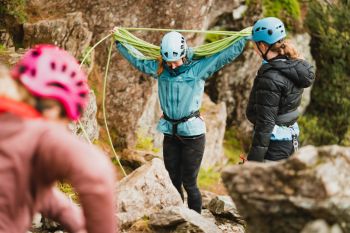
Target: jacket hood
x,y
10,124
300,72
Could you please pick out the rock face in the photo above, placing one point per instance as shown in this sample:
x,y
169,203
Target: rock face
x,y
214,116
148,189
90,128
283,197
69,32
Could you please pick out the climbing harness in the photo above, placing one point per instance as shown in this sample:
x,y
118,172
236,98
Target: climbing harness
x,y
175,123
150,51
294,139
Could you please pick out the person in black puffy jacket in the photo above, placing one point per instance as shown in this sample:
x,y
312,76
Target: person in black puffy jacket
x,y
276,93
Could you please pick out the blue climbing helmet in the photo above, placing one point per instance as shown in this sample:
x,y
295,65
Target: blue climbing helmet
x,y
173,46
269,30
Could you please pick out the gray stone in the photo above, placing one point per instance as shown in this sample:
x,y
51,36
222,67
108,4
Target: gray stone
x,y
69,32
186,220
5,38
206,198
214,116
224,206
321,226
284,196
89,127
146,190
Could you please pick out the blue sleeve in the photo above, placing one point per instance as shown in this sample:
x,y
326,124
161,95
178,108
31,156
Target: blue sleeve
x,y
207,66
149,67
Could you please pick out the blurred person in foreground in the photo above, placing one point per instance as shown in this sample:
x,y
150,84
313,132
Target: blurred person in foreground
x,y
46,90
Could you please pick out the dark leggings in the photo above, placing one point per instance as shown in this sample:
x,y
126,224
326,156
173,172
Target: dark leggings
x,y
182,159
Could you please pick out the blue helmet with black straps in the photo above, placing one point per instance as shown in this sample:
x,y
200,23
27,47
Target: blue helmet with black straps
x,y
269,30
173,46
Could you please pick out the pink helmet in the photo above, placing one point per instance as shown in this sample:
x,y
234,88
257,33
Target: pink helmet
x,y
50,72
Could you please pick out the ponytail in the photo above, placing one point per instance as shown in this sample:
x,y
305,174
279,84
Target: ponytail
x,y
285,48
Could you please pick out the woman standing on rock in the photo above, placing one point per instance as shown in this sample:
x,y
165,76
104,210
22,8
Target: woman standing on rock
x,y
46,91
180,88
276,93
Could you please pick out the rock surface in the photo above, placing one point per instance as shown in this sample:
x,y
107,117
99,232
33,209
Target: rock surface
x,y
283,197
146,190
321,226
89,127
224,207
214,116
184,219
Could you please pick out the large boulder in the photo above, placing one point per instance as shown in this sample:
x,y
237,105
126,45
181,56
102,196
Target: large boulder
x,y
284,196
70,32
146,190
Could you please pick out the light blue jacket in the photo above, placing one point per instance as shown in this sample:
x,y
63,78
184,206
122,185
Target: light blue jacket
x,y
180,90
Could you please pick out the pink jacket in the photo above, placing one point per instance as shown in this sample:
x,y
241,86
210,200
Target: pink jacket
x,y
34,154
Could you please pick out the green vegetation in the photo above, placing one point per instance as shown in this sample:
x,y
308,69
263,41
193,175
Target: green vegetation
x,y
311,133
328,120
88,60
287,10
141,225
145,143
214,37
2,48
69,191
14,9
207,178
232,147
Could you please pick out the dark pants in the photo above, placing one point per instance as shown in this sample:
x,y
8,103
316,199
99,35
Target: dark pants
x,y
279,150
182,159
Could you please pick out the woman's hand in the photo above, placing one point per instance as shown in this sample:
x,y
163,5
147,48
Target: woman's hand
x,y
114,30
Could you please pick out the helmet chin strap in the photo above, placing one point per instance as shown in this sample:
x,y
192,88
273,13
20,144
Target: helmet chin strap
x,y
264,55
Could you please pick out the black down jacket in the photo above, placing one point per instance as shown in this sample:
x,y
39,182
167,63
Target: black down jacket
x,y
277,90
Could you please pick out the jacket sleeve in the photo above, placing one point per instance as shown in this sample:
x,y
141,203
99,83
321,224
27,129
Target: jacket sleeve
x,y
149,67
209,65
56,206
268,94
88,170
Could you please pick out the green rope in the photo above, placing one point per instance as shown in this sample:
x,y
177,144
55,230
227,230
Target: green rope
x,y
150,51
84,132
81,64
104,107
